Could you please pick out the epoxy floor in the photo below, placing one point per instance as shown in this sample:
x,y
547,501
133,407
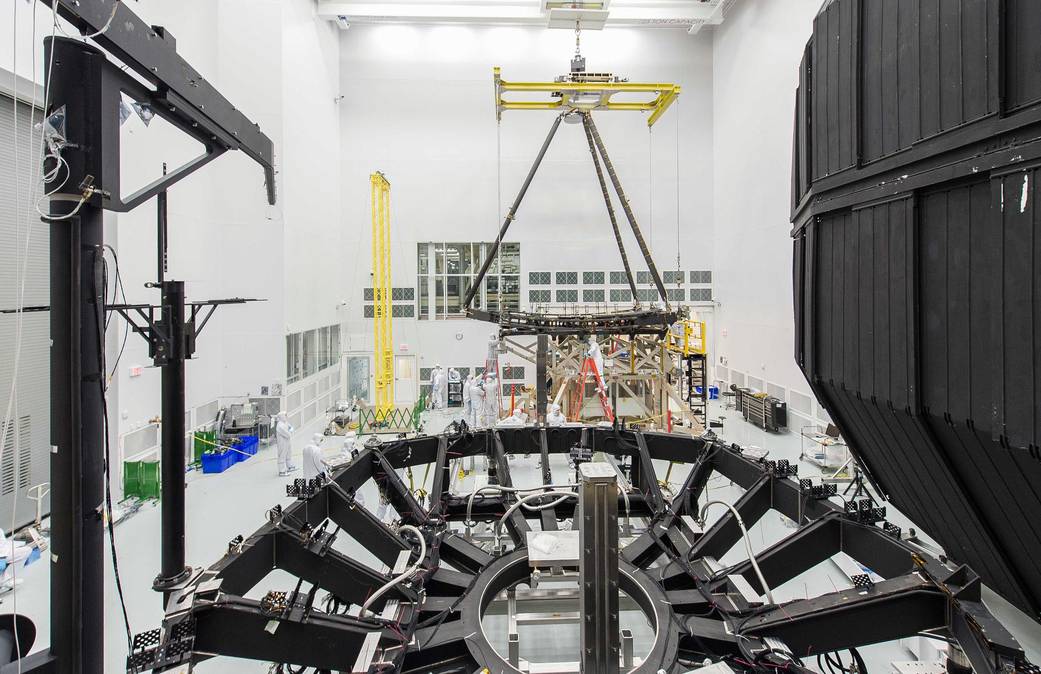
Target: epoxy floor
x,y
220,507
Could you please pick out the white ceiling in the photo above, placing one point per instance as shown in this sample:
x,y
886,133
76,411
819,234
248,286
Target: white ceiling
x,y
691,15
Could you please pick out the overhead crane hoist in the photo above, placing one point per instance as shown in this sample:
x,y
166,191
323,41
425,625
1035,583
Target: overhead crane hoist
x,y
382,324
576,95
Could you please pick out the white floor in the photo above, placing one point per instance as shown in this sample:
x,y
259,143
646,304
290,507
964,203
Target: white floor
x,y
220,507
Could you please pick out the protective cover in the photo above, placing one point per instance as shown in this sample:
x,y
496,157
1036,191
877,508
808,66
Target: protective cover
x,y
917,264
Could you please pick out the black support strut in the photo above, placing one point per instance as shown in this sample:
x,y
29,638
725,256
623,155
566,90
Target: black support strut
x,y
475,287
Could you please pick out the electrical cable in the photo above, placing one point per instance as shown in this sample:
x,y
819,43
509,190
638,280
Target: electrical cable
x,y
99,258
104,29
563,496
748,544
126,324
405,575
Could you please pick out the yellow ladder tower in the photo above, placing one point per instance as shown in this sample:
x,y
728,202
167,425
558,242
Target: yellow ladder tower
x,y
383,338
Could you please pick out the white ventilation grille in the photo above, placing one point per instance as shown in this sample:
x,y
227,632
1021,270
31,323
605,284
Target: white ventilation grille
x,y
800,402
722,373
207,413
311,391
309,413
755,383
776,391
737,378
7,462
294,400
140,441
25,452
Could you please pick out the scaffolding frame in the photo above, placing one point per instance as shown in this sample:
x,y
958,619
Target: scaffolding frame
x,y
382,324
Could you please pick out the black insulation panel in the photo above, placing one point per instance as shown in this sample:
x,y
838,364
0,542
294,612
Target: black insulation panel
x,y
917,264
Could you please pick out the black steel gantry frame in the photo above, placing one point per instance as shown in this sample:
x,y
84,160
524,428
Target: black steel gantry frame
x,y
636,321
82,80
431,624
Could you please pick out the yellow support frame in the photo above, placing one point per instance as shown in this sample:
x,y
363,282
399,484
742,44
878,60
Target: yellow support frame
x,y
586,96
383,336
691,342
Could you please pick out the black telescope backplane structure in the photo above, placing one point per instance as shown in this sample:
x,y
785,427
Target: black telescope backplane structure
x,y
917,264
432,622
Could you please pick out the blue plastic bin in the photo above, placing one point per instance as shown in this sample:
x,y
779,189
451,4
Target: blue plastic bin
x,y
713,393
217,462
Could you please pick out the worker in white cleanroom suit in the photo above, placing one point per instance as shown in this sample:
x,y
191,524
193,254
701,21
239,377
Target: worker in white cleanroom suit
x,y
349,444
437,382
12,552
518,418
314,464
555,418
598,360
466,399
491,401
283,435
476,396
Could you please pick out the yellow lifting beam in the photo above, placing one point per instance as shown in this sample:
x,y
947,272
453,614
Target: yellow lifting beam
x,y
584,96
383,338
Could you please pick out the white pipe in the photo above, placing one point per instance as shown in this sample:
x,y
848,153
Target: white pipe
x,y
564,495
748,544
399,579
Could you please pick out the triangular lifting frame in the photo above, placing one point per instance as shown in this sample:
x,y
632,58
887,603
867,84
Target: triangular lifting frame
x,y
598,152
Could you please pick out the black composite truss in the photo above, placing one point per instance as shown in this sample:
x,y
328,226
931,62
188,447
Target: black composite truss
x,y
917,263
632,322
695,608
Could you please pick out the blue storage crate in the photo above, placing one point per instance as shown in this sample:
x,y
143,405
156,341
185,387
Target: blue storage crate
x,y
217,462
713,393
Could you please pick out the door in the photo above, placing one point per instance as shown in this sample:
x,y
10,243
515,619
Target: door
x,y
359,382
406,380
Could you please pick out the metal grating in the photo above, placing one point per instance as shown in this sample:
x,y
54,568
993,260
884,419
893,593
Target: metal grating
x,y
567,278
593,278
539,278
25,452
7,461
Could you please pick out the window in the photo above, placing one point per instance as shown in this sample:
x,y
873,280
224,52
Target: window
x,y
567,296
294,360
701,277
593,295
567,278
701,295
446,272
540,296
539,278
593,278
618,278
643,278
310,353
675,294
403,311
621,295
334,345
647,294
515,372
323,348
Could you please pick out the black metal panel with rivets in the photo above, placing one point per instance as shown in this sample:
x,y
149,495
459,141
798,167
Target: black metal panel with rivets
x,y
917,264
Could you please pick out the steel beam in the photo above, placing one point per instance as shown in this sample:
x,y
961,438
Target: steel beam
x,y
598,568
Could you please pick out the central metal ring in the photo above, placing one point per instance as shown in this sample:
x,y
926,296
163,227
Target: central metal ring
x,y
508,570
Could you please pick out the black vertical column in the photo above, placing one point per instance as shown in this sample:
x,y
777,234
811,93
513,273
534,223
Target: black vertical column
x,y
77,412
172,351
541,389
